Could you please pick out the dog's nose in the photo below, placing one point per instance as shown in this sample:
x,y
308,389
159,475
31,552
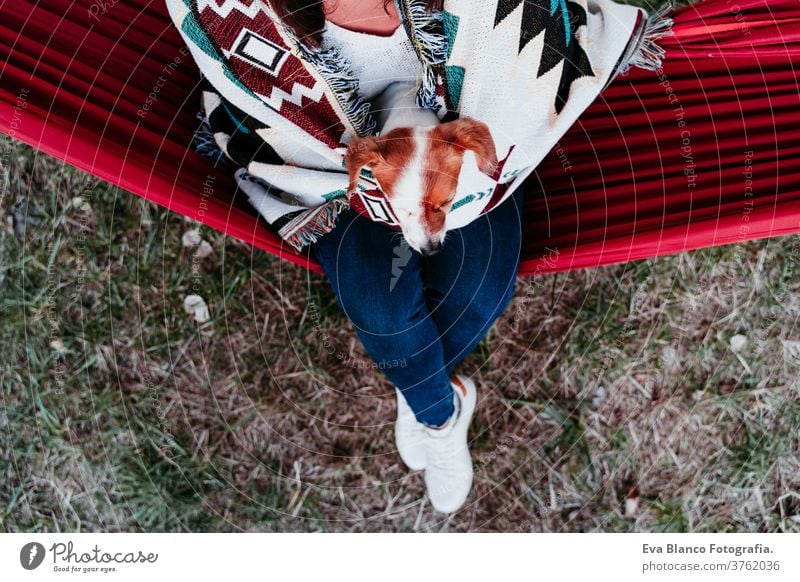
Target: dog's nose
x,y
431,248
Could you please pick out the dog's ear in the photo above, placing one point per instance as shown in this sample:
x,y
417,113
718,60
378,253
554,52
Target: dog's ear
x,y
475,136
363,151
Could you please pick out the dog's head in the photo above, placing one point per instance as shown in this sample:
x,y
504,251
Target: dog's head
x,y
417,169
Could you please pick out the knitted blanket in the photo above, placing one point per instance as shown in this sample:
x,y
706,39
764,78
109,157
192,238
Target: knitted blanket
x,y
284,112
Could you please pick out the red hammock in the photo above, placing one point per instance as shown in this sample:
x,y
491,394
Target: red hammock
x,y
635,177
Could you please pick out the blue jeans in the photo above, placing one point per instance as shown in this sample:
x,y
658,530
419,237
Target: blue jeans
x,y
418,317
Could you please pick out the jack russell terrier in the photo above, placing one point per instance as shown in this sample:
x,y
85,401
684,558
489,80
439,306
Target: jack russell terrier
x,y
416,161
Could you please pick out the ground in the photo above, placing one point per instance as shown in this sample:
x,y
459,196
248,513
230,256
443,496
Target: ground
x,y
657,395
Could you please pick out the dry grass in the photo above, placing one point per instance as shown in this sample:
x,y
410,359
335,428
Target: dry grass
x,y
609,399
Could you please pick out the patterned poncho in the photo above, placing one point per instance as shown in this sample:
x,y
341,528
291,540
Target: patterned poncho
x,y
285,112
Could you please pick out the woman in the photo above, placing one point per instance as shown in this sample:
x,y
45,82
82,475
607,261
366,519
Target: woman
x,y
317,66
430,312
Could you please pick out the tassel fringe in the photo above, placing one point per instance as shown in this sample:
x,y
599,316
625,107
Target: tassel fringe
x,y
315,223
338,73
425,29
646,52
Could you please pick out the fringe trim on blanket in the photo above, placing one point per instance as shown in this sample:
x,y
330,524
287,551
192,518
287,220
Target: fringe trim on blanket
x,y
204,141
646,53
306,228
426,31
338,73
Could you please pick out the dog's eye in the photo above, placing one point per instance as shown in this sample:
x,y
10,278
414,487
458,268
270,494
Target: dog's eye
x,y
443,206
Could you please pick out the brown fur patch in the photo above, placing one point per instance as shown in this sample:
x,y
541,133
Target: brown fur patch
x,y
440,180
387,156
444,157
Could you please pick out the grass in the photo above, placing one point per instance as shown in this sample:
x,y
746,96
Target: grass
x,y
612,399
616,405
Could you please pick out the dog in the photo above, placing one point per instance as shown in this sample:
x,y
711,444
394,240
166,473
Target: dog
x,y
416,161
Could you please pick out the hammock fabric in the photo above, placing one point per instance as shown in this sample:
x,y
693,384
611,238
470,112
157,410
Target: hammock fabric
x,y
703,153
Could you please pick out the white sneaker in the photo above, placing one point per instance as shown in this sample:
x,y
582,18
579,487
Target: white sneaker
x,y
448,471
409,435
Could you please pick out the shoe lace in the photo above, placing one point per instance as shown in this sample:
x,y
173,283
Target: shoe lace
x,y
443,455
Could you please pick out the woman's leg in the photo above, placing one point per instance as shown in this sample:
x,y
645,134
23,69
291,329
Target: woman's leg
x,y
470,282
377,280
